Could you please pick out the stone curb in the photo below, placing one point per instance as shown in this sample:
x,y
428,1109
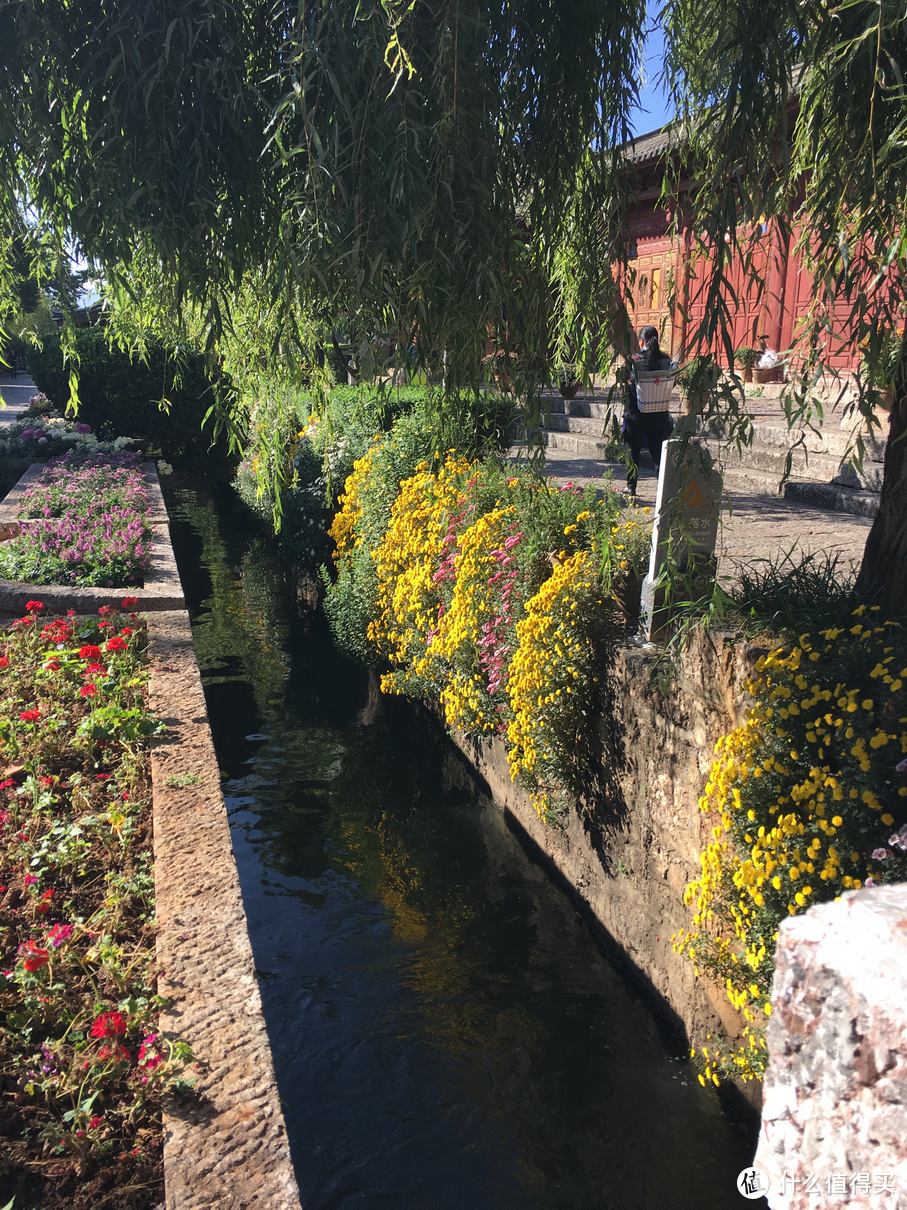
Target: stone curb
x,y
227,1148
162,588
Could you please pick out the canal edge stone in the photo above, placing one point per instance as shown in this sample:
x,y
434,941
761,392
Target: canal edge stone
x,y
161,589
226,1147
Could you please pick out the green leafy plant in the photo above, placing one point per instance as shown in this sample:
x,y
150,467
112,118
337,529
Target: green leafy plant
x,y
161,397
746,356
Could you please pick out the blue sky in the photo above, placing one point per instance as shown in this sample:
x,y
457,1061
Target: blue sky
x,y
654,108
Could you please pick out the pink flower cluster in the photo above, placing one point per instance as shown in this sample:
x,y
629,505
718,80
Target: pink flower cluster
x,y
87,524
493,650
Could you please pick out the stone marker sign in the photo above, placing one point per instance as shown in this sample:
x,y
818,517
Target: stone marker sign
x,y
687,505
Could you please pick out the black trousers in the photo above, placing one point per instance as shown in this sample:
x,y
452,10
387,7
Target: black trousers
x,y
656,428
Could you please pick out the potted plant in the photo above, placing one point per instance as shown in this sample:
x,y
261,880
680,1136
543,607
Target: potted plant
x,y
698,379
499,365
567,381
745,357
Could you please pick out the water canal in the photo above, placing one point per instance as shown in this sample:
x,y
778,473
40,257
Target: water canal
x,y
447,1032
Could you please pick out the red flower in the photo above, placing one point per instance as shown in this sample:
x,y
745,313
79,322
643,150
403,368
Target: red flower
x,y
57,632
115,644
96,1121
90,652
95,669
34,606
35,956
116,1051
88,690
108,1025
4,661
52,666
129,602
30,716
105,610
149,1055
59,934
44,906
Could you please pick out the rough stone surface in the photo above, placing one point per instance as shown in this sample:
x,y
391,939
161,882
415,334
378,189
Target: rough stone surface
x,y
836,1087
161,589
631,854
227,1150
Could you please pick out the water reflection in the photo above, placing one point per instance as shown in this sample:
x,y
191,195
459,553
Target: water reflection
x,y
446,1031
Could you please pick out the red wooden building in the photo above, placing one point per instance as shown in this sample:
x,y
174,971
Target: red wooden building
x,y
668,286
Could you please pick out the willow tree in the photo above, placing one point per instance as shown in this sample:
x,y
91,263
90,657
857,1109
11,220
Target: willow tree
x,y
258,168
442,170
797,111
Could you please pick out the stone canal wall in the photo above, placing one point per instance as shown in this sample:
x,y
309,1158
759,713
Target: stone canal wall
x,y
630,856
226,1148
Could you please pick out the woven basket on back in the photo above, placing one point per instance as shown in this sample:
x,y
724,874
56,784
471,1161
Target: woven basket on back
x,y
653,389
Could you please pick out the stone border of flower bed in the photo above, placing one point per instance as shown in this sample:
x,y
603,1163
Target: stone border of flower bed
x,y
161,590
228,1147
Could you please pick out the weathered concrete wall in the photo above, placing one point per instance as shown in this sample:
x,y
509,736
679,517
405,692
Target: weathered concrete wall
x,y
834,1120
225,1149
630,853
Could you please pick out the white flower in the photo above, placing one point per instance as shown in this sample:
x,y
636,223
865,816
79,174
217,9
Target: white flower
x,y
164,467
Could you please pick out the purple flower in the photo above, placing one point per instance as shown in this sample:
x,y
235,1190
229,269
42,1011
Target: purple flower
x,y
902,767
880,854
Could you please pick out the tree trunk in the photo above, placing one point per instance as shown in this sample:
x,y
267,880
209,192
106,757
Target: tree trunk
x,y
883,573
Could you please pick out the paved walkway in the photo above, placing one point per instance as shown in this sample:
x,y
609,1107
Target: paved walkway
x,y
15,393
753,526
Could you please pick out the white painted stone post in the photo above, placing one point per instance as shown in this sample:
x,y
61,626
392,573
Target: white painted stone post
x,y
834,1116
688,495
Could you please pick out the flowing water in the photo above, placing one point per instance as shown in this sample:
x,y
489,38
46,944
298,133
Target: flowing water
x,y
447,1032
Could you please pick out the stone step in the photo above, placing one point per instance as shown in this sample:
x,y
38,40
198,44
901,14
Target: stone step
x,y
591,426
827,439
811,467
834,497
744,481
576,443
583,408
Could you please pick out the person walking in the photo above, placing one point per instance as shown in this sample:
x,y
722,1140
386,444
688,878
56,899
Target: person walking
x,y
652,426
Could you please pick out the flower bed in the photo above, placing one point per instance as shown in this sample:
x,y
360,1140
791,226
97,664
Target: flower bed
x,y
83,1066
811,800
38,436
83,523
490,593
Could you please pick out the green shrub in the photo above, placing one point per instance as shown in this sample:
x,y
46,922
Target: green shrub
x,y
120,395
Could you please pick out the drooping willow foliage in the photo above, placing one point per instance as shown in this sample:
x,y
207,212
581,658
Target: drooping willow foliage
x,y
268,176
259,169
